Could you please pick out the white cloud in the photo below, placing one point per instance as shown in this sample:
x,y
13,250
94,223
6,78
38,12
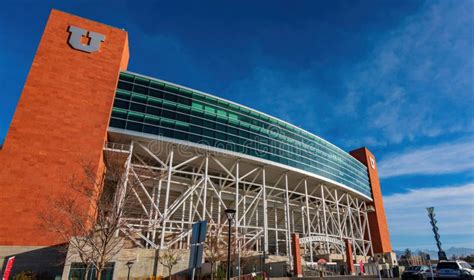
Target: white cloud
x,y
408,220
417,82
445,158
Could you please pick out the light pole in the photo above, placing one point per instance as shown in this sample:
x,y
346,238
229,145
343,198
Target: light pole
x,y
129,265
230,213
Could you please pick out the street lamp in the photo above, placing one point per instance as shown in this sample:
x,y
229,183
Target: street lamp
x,y
230,213
129,265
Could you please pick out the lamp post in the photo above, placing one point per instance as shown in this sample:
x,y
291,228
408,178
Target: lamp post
x,y
230,213
129,265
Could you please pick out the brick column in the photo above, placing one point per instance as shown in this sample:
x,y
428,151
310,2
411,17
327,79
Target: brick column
x,y
297,267
60,123
349,260
377,220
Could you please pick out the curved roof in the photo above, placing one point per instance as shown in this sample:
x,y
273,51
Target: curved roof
x,y
154,106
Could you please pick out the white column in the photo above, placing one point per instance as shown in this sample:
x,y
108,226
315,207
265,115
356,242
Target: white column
x,y
265,213
204,200
165,211
325,225
308,218
288,225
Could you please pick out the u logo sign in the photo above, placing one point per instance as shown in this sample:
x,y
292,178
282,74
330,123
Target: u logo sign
x,y
75,39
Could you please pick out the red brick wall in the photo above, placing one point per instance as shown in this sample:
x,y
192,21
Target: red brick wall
x,y
377,220
60,122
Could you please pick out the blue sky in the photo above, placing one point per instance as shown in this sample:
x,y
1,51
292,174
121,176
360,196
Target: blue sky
x,y
395,76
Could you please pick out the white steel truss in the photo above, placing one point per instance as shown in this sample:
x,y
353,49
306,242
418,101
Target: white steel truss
x,y
170,189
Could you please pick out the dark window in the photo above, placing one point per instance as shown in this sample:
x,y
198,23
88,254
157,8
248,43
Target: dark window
x,y
167,132
121,104
137,107
232,130
233,139
153,111
180,135
125,86
117,123
184,100
194,138
208,141
208,133
447,265
221,136
168,114
140,89
221,128
78,270
169,96
183,118
244,134
155,93
151,129
195,129
135,126
196,121
208,124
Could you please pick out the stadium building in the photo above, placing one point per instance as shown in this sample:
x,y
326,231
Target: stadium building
x,y
207,154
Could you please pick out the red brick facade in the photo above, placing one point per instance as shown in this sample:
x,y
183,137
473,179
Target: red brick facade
x,y
60,122
377,220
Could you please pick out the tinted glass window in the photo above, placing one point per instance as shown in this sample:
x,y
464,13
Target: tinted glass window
x,y
450,265
262,136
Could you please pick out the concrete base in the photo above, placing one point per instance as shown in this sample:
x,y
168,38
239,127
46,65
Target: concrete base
x,y
143,263
46,262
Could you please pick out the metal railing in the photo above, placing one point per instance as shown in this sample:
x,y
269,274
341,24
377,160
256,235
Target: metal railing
x,y
110,146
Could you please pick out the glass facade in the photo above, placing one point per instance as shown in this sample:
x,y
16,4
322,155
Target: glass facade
x,y
156,107
78,272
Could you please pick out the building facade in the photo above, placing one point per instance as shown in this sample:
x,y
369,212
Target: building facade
x,y
188,155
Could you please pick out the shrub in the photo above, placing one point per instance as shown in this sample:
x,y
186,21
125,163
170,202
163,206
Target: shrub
x,y
25,275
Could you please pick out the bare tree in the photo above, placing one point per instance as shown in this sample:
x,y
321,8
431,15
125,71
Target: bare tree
x,y
243,256
169,259
215,249
93,233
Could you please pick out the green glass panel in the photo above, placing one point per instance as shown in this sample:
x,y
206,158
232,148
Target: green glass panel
x,y
233,116
135,114
119,110
209,109
197,106
157,85
171,88
142,81
139,96
180,123
185,91
296,147
127,77
222,113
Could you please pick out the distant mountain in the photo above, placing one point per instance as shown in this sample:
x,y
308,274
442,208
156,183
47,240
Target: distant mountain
x,y
434,253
